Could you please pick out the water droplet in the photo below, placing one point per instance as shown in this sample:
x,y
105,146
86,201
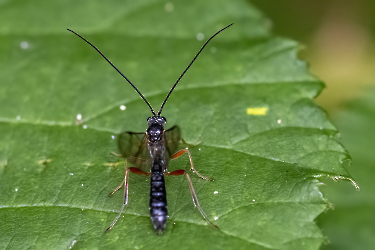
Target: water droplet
x,y
18,118
216,218
113,137
79,119
71,173
169,7
200,36
216,192
122,107
213,50
84,126
279,121
24,45
16,189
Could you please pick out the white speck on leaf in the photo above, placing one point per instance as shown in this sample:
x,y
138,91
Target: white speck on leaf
x,y
200,36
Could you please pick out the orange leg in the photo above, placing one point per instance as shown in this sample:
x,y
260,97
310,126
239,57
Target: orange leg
x,y
184,151
138,171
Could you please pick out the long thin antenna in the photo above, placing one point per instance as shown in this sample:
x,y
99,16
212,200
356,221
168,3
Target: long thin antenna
x,y
183,73
152,110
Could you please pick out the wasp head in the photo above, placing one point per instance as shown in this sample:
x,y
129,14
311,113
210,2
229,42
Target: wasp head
x,y
155,128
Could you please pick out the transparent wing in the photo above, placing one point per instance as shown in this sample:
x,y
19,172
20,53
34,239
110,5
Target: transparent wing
x,y
133,147
172,137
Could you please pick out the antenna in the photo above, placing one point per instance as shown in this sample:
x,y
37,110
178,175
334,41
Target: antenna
x,y
152,110
183,73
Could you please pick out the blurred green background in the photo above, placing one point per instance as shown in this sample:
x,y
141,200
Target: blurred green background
x,y
338,42
338,39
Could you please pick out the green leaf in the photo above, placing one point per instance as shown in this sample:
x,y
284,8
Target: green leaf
x,y
351,224
56,171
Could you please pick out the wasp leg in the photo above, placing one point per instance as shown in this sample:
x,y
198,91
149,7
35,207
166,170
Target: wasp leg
x,y
126,189
193,194
123,181
126,192
138,171
184,151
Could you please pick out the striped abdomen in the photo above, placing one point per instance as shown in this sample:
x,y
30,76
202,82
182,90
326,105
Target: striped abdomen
x,y
158,198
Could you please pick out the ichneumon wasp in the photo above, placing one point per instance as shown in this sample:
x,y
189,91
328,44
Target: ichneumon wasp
x,y
151,152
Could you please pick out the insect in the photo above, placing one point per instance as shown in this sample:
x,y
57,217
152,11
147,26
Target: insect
x,y
151,152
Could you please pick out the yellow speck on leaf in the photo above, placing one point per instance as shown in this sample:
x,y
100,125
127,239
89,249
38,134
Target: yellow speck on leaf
x,y
44,161
257,111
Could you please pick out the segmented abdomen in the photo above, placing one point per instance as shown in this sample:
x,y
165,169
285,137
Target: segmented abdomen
x,y
158,199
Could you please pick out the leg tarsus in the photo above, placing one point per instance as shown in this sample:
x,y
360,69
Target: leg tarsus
x,y
126,193
123,181
184,151
196,202
117,189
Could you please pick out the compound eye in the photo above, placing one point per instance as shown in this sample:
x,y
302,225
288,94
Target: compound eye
x,y
165,119
148,118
